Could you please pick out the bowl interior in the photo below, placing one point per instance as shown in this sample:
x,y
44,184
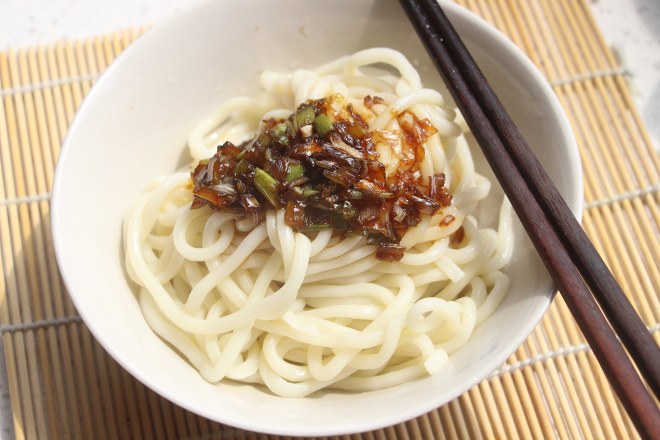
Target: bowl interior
x,y
134,125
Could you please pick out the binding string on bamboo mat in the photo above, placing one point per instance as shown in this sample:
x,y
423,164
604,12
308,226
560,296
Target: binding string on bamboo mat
x,y
63,385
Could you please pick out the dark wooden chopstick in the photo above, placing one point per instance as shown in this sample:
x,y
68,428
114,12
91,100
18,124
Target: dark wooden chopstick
x,y
619,310
566,251
616,306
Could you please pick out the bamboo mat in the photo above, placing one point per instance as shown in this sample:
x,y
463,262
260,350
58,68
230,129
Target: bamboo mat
x,y
63,385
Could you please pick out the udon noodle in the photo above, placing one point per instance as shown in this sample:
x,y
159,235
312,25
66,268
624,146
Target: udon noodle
x,y
300,312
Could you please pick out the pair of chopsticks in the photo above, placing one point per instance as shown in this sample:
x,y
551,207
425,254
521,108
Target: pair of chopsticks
x,y
567,252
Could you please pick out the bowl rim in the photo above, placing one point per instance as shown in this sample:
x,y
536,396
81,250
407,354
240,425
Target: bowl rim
x,y
68,272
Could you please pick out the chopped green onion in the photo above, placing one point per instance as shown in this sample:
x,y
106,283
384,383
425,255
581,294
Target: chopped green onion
x,y
280,134
322,125
304,116
290,129
264,140
266,185
295,170
284,140
306,192
242,167
280,129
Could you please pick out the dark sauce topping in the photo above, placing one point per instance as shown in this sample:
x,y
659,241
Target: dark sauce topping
x,y
322,168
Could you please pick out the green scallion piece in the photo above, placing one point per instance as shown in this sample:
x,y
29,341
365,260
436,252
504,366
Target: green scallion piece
x,y
242,167
264,140
280,133
294,171
290,129
280,129
306,192
266,185
304,116
322,125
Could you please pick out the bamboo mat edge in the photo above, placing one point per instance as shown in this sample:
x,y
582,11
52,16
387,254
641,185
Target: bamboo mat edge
x,y
551,387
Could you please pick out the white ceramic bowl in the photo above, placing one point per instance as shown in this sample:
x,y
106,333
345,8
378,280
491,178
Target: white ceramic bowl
x,y
134,124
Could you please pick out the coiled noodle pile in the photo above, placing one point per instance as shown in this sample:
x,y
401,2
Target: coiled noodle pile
x,y
301,312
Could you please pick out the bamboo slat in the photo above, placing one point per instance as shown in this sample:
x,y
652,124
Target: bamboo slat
x,y
63,384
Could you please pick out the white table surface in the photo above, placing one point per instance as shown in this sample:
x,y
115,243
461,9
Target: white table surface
x,y
631,28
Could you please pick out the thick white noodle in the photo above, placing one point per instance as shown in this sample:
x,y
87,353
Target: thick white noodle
x,y
298,313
